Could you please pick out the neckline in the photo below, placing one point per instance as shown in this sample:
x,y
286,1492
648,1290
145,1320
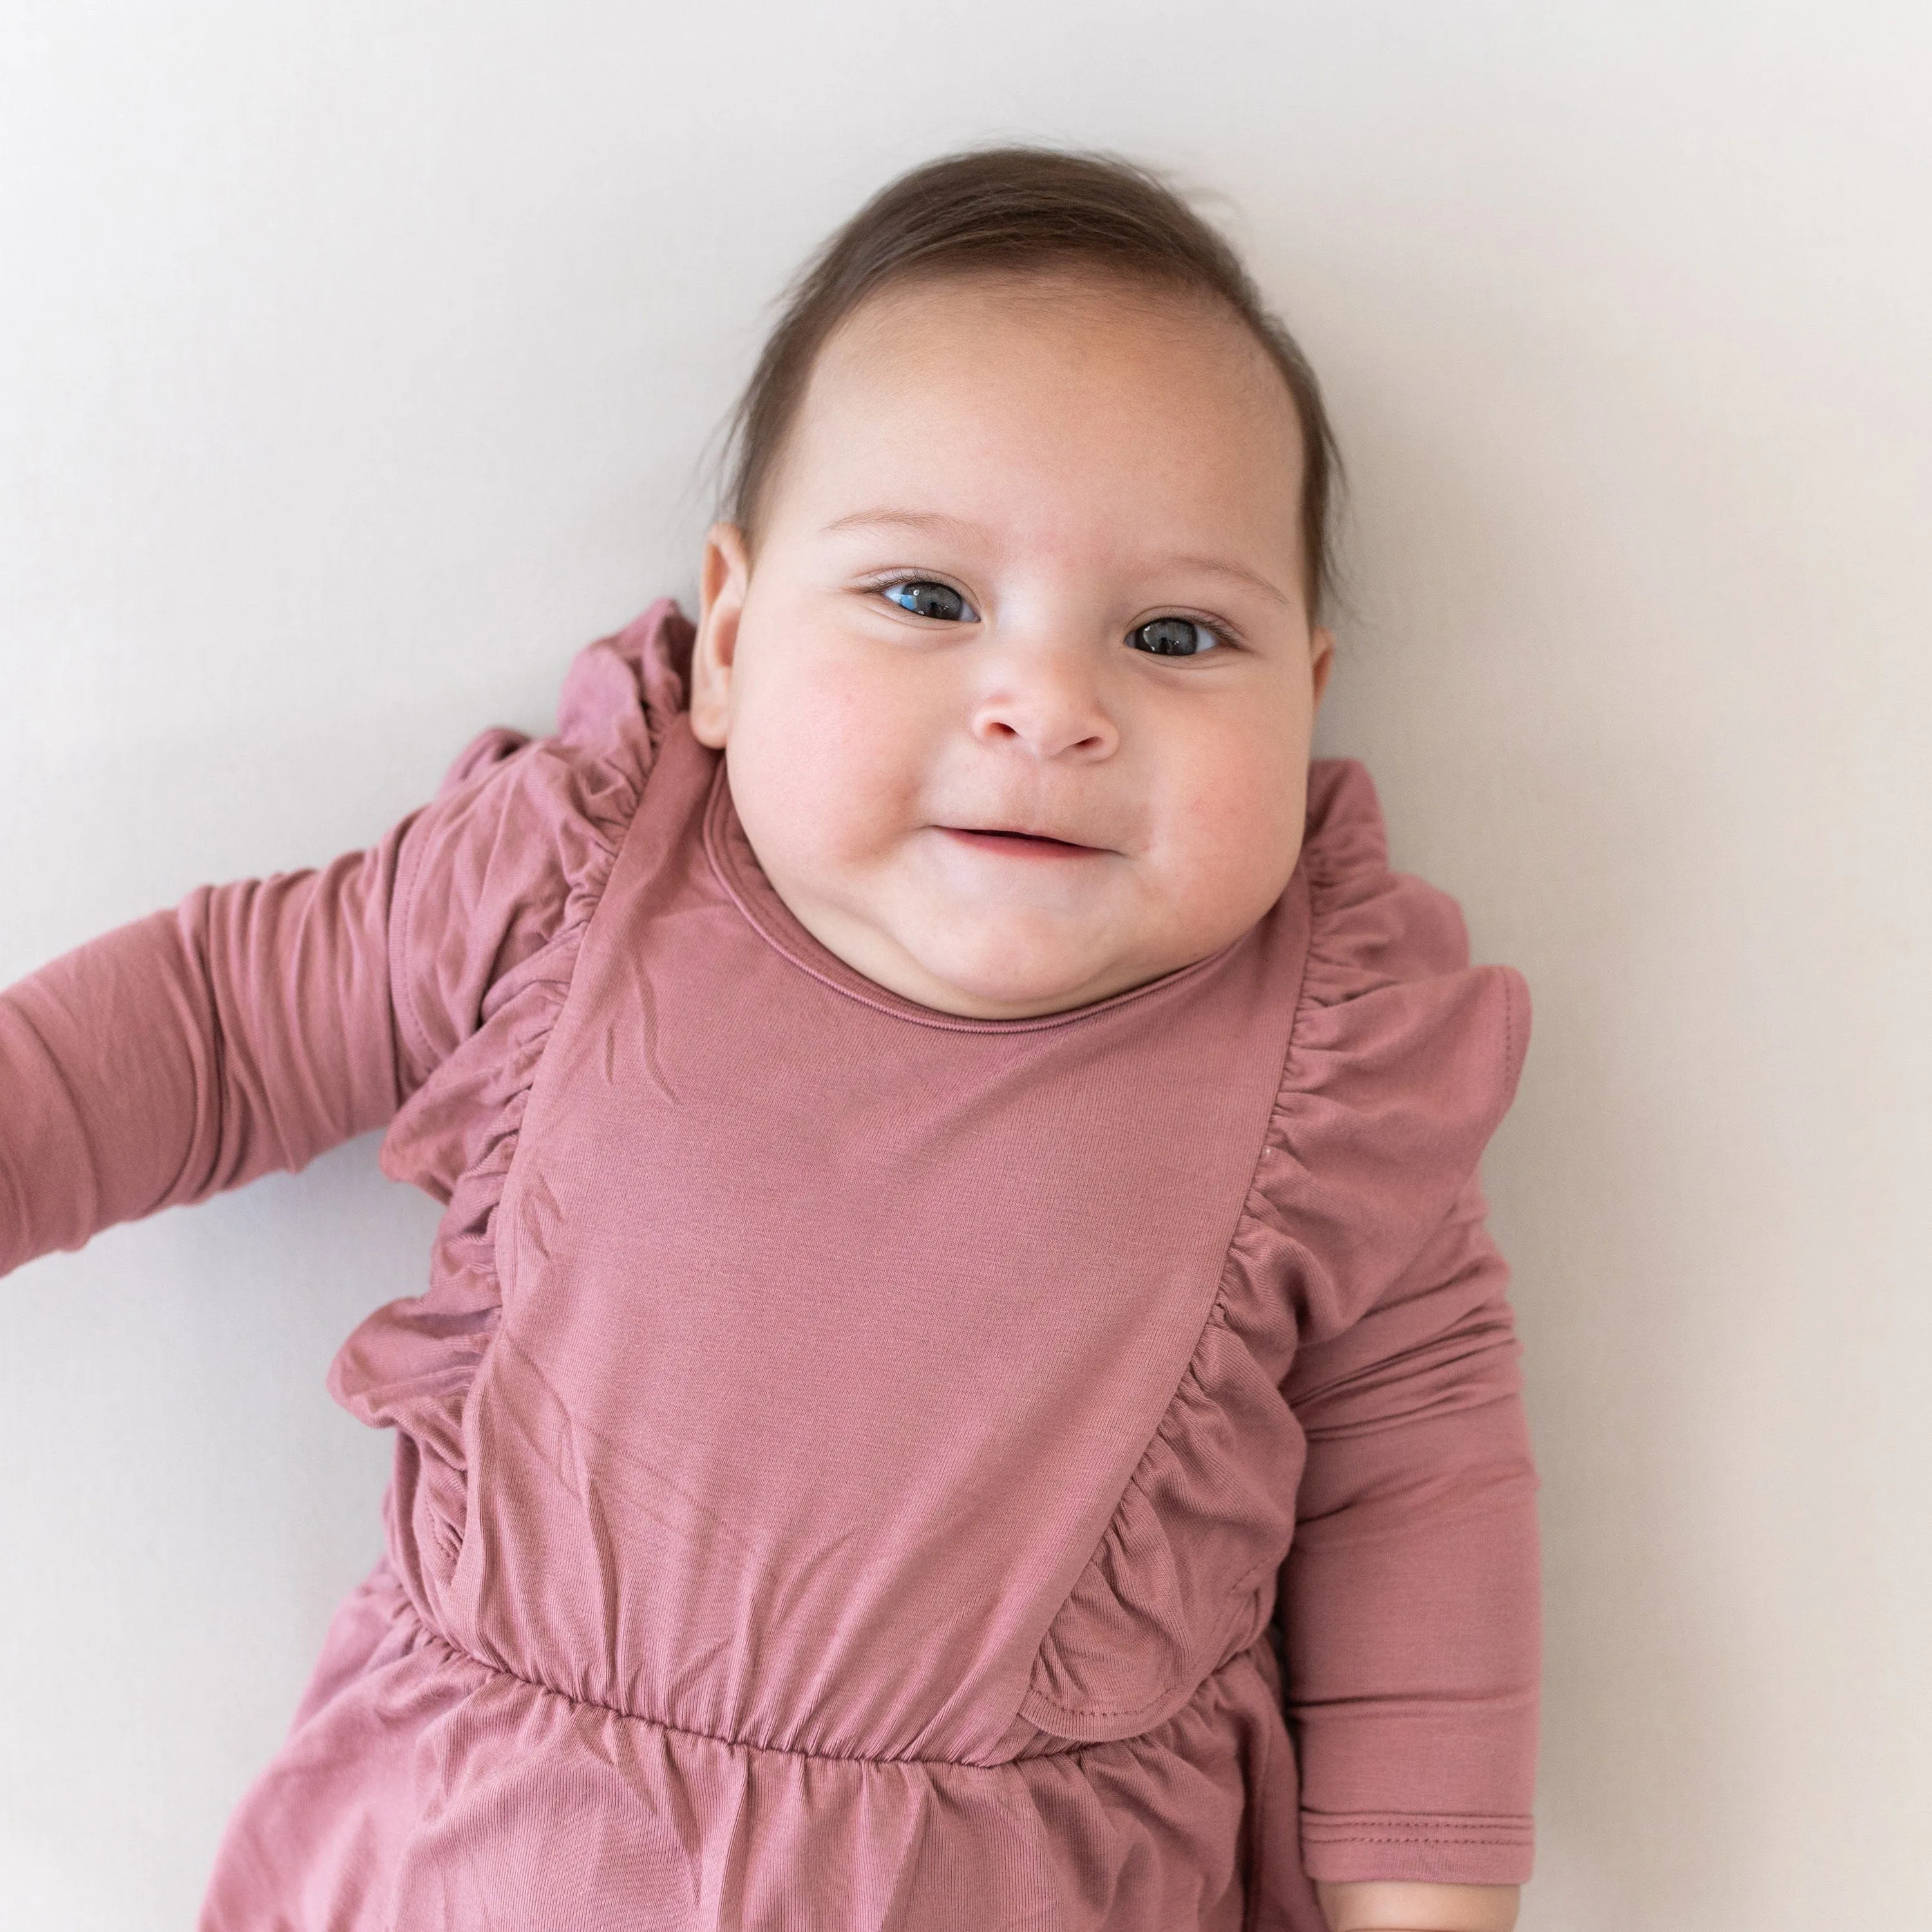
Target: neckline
x,y
736,867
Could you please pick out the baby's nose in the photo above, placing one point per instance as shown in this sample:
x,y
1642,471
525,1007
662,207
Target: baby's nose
x,y
1047,701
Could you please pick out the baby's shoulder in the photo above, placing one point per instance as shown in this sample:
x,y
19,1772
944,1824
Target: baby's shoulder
x,y
620,694
515,848
1372,925
1402,1058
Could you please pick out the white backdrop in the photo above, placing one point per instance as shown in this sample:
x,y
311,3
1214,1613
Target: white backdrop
x,y
357,364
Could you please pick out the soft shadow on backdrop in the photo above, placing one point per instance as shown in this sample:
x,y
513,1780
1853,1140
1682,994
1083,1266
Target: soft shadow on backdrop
x,y
357,364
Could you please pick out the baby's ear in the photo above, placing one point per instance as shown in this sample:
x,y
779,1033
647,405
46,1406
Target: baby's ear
x,y
722,582
1321,657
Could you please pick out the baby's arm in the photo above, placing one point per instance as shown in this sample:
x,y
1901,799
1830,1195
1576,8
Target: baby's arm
x,y
245,1030
258,1023
1410,1600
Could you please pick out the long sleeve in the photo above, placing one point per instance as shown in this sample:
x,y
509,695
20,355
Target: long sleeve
x,y
245,1030
1410,1596
260,1022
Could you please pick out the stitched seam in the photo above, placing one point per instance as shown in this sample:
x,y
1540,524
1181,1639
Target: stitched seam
x,y
1253,1570
1085,1711
1034,1696
1360,1838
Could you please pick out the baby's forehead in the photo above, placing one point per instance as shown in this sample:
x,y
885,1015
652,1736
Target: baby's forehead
x,y
1007,388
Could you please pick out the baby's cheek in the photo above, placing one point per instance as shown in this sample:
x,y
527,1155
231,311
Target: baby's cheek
x,y
1239,834
853,803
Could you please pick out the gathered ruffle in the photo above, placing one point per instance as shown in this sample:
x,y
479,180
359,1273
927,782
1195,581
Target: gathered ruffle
x,y
1401,1060
499,877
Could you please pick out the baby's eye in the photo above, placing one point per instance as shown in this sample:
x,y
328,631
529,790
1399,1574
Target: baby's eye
x,y
1173,637
925,599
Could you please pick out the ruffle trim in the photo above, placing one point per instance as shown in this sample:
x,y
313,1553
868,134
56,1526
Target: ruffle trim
x,y
513,854
1401,1060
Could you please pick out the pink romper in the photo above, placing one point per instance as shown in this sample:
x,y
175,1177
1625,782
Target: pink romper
x,y
856,1467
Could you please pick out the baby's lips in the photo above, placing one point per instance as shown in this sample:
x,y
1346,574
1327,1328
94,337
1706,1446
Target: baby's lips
x,y
1046,842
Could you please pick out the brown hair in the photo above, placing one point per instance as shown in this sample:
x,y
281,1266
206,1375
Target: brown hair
x,y
1022,208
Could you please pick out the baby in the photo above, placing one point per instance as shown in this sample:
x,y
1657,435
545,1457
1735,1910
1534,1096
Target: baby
x,y
964,1385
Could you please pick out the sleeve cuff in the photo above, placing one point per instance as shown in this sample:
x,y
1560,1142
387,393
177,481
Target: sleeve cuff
x,y
1342,1848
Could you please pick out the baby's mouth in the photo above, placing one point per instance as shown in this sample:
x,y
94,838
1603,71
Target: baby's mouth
x,y
1018,844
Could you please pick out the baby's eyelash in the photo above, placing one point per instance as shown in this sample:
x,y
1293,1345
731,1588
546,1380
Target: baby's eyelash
x,y
892,577
1219,633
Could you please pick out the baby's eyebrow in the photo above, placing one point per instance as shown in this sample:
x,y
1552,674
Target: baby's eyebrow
x,y
1215,567
910,520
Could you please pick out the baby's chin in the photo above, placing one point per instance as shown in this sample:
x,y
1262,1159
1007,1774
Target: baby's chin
x,y
996,975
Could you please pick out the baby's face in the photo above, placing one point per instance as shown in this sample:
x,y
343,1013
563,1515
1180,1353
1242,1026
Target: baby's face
x,y
1016,697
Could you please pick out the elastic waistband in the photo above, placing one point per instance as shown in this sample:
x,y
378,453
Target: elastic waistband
x,y
1049,1746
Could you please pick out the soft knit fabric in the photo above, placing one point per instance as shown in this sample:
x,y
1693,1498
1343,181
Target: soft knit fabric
x,y
856,1467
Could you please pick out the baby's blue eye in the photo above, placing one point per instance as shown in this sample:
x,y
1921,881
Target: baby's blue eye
x,y
925,599
1173,637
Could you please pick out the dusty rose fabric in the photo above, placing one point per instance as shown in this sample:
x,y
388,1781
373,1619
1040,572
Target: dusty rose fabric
x,y
855,1467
